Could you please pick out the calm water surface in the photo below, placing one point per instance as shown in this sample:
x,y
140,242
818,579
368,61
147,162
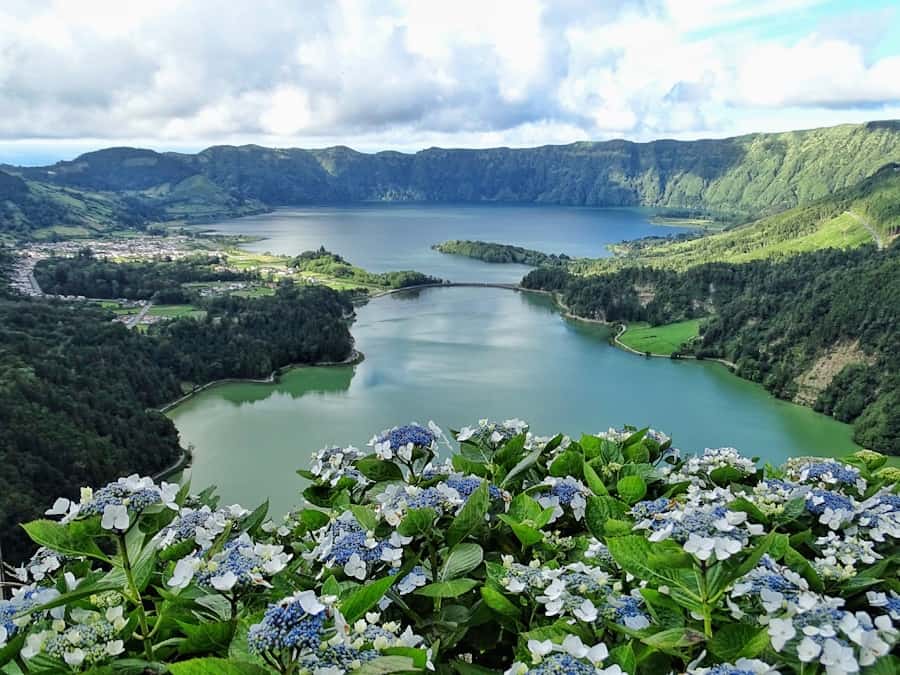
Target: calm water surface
x,y
384,237
457,354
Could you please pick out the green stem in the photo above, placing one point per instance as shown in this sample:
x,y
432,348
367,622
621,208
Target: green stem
x,y
21,663
136,597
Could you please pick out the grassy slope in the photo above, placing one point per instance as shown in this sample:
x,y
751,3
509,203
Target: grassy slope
x,y
660,339
826,223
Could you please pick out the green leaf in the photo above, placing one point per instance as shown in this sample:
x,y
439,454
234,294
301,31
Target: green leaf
x,y
725,475
211,666
631,488
498,602
364,516
590,445
466,465
661,563
251,523
524,507
511,452
601,509
331,586
447,589
74,539
419,656
636,453
524,464
567,464
594,482
386,664
748,507
613,527
378,470
463,668
738,640
624,656
471,516
526,534
673,639
206,638
360,600
463,558
417,521
792,510
798,562
313,519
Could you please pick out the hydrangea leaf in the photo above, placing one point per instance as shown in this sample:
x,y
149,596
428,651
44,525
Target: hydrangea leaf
x,y
567,464
594,482
631,488
74,539
378,470
498,602
365,516
447,589
463,558
214,666
526,534
471,515
361,599
738,640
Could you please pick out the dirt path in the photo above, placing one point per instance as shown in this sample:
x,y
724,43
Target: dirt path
x,y
862,221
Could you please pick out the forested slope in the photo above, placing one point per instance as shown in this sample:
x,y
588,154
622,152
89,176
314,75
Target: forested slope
x,y
77,391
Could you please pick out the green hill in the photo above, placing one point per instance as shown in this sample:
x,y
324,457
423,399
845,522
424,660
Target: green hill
x,y
862,214
737,178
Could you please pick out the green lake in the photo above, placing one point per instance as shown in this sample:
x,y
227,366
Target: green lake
x,y
454,355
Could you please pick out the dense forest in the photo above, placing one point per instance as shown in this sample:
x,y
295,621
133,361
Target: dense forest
x,y
77,392
776,321
160,280
734,178
500,253
325,262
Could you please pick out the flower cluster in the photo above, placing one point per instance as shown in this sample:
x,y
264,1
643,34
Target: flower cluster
x,y
702,523
809,626
330,465
43,563
492,433
347,544
92,639
445,497
698,469
879,516
576,589
823,474
563,493
200,526
840,555
308,630
12,611
571,657
241,562
401,441
117,502
739,667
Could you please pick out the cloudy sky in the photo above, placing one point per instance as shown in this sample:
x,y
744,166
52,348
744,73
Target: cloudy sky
x,y
409,74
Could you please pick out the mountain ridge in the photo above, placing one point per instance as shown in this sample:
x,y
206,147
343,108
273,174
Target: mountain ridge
x,y
740,178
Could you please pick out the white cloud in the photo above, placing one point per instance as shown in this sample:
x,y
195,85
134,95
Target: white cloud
x,y
411,73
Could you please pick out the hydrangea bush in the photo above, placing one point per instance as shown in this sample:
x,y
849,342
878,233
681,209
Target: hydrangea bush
x,y
519,555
